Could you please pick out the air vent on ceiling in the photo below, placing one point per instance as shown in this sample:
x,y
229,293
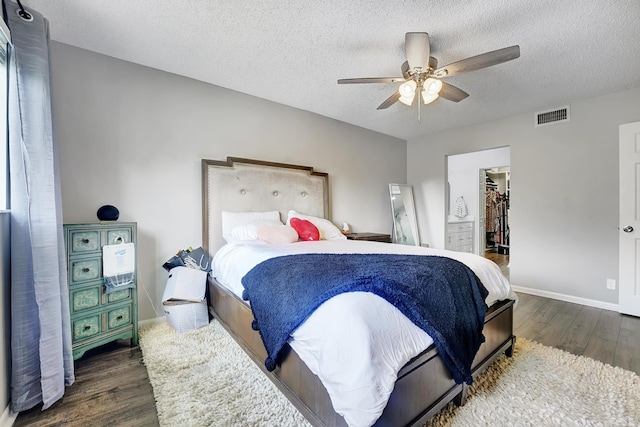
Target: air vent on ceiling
x,y
553,116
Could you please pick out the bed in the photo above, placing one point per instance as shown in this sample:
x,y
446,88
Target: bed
x,y
424,385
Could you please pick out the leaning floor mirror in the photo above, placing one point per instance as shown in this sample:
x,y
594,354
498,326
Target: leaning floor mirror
x,y
405,225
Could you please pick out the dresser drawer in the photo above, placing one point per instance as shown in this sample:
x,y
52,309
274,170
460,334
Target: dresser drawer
x,y
86,327
115,237
85,298
84,270
118,317
118,296
460,227
84,241
459,238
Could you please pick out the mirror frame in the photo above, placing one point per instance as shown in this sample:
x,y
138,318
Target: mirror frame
x,y
406,192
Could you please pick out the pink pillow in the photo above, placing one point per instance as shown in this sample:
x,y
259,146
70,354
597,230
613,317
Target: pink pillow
x,y
306,230
277,234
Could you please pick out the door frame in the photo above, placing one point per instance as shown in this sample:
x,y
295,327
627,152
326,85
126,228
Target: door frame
x,y
482,213
470,163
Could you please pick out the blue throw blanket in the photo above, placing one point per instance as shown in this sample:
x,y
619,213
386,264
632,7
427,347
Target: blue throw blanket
x,y
440,295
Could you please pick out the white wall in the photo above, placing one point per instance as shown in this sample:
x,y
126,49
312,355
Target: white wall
x,y
133,137
564,192
462,174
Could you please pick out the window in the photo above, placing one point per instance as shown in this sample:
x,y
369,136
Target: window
x,y
4,148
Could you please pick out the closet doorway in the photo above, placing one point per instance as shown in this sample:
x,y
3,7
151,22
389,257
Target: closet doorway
x,y
497,189
467,175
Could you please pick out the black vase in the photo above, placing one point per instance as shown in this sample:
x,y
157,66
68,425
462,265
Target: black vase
x,y
108,213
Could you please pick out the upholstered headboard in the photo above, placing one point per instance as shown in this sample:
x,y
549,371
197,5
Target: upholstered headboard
x,y
244,185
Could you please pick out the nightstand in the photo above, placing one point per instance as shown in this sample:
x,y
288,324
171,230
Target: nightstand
x,y
374,237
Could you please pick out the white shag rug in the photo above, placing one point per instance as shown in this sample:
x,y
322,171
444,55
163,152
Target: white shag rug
x,y
203,378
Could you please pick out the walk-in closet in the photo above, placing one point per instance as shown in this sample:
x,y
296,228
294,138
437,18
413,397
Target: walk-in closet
x,y
497,210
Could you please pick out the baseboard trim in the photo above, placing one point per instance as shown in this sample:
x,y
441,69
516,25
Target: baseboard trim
x,y
8,417
567,298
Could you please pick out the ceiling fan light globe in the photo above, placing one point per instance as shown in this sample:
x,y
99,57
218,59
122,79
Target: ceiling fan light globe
x,y
407,100
408,88
428,98
432,86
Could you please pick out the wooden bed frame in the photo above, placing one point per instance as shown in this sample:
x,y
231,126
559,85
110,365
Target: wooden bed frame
x,y
424,385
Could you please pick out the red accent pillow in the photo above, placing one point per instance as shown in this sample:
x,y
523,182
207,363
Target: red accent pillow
x,y
305,229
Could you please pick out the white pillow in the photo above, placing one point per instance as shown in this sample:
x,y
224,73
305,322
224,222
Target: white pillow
x,y
277,234
231,220
327,230
250,231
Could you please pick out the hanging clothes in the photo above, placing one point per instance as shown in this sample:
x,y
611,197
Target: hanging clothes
x,y
491,211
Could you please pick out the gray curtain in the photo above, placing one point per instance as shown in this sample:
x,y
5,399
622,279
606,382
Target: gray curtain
x,y
42,362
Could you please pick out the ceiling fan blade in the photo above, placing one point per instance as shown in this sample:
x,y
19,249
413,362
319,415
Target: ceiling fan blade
x,y
405,69
389,101
371,80
452,93
416,46
479,61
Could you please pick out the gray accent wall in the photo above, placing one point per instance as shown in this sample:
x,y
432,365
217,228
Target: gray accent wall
x,y
564,193
133,137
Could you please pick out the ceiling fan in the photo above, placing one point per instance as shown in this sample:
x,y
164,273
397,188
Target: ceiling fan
x,y
420,72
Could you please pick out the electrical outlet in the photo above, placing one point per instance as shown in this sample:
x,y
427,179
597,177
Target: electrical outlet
x,y
611,284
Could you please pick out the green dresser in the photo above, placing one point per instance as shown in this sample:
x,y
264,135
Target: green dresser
x,y
98,318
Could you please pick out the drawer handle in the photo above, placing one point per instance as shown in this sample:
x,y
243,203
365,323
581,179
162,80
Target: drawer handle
x,y
85,240
119,317
85,270
119,239
86,328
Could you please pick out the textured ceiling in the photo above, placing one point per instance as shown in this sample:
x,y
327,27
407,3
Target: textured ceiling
x,y
293,51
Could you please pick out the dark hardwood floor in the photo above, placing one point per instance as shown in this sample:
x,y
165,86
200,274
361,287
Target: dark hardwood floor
x,y
112,387
603,335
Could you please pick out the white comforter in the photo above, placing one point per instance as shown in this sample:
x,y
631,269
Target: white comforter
x,y
355,342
